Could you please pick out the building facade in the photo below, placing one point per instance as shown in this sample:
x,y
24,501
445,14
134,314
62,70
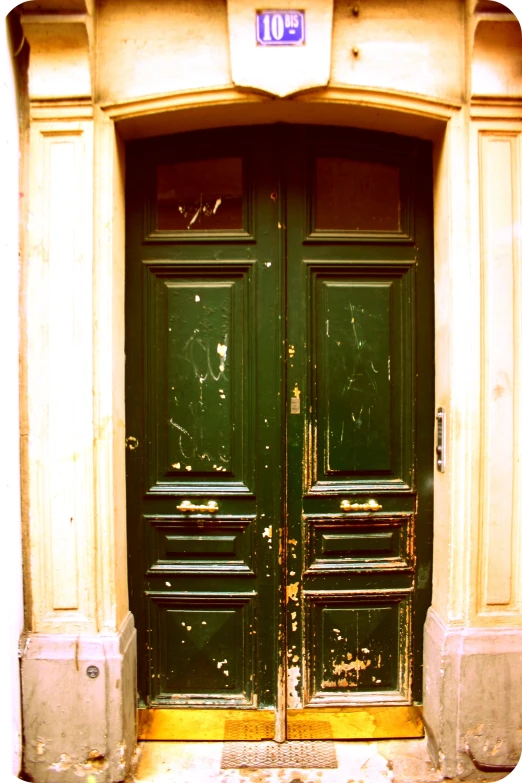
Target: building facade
x,y
172,159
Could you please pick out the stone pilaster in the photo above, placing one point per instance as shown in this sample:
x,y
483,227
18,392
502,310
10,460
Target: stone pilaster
x,y
79,655
473,633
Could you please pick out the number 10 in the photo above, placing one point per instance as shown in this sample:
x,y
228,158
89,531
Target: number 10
x,y
273,26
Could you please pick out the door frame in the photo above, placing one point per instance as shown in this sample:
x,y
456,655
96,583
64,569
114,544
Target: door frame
x,y
441,124
310,138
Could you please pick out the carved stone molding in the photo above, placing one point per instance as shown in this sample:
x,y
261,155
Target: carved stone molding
x,y
61,56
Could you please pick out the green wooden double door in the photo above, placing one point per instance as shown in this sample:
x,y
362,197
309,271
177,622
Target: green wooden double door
x,y
279,393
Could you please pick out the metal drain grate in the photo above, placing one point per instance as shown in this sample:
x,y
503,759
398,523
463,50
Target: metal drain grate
x,y
252,730
264,755
309,730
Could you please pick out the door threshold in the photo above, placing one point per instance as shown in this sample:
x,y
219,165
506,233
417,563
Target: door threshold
x,y
356,723
205,724
347,723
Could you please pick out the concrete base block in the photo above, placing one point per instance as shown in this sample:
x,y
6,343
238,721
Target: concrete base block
x,y
472,695
75,725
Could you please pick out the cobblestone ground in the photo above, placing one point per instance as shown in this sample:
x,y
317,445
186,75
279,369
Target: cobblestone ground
x,y
404,761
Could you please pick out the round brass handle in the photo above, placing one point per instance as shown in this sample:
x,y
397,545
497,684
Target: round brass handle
x,y
371,505
188,507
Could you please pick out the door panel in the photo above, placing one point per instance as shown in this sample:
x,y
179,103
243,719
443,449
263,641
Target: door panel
x,y
338,544
203,649
199,379
359,507
352,379
359,647
203,337
213,546
279,344
361,376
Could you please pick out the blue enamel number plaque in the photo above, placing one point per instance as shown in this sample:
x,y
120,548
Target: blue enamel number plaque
x,y
280,28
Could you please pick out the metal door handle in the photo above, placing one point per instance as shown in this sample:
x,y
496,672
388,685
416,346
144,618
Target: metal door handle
x,y
189,507
371,505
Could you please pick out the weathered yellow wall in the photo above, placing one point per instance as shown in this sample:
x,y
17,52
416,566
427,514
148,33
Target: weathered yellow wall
x,y
158,47
12,614
155,48
497,60
412,45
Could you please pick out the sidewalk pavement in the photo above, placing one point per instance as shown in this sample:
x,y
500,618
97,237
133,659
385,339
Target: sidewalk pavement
x,y
395,761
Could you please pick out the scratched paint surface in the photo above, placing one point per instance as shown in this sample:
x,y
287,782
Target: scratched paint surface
x,y
203,306
363,373
201,655
199,368
272,369
200,195
354,376
200,651
360,351
359,649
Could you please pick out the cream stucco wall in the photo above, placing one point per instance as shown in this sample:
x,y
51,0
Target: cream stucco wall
x,y
161,47
10,716
174,47
402,46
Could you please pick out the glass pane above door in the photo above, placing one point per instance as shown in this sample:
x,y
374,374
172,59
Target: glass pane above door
x,y
200,195
356,195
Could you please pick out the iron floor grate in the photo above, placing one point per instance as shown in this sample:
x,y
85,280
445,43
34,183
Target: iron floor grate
x,y
309,730
265,755
252,731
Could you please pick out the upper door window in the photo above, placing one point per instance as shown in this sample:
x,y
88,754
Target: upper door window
x,y
200,195
356,195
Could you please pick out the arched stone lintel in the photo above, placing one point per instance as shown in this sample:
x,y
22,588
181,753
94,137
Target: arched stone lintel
x,y
387,110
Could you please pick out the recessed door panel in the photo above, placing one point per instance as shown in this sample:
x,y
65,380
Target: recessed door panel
x,y
359,648
219,546
203,651
354,378
199,382
336,544
279,392
362,375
